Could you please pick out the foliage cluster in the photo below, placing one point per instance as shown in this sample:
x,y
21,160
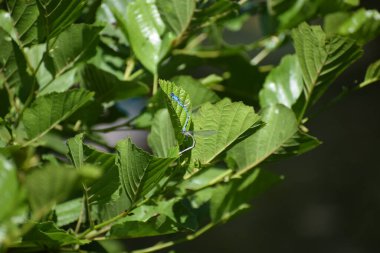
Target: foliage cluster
x,y
70,68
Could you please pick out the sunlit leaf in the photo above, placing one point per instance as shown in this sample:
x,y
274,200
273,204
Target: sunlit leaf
x,y
322,58
59,14
199,94
147,33
180,115
25,16
162,137
176,14
372,75
108,87
228,120
284,83
68,211
280,126
139,171
49,110
363,25
76,44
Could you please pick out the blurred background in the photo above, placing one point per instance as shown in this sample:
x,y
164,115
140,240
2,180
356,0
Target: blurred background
x,y
330,198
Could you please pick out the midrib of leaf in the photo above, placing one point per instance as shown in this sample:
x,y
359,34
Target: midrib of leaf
x,y
139,185
314,81
271,151
228,137
53,124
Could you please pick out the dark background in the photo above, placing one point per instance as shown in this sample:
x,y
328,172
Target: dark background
x,y
330,198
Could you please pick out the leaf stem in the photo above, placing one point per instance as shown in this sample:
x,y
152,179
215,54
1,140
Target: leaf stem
x,y
102,225
155,84
129,68
187,238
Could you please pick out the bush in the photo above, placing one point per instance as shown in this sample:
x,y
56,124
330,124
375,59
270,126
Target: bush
x,y
71,72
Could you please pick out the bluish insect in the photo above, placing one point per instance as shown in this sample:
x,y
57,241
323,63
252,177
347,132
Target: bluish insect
x,y
184,131
179,102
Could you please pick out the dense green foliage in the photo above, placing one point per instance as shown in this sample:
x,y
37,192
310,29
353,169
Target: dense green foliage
x,y
72,71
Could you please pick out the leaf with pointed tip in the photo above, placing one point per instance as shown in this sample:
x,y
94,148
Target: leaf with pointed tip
x,y
180,115
322,58
48,111
108,87
176,14
25,16
68,212
372,75
103,192
363,26
147,33
50,236
46,80
300,143
280,126
163,217
199,94
139,171
162,137
284,84
13,67
228,120
76,44
9,188
292,13
57,15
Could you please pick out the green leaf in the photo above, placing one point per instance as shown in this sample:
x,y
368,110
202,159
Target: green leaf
x,y
108,87
292,13
280,126
25,16
6,23
163,217
147,33
199,94
322,58
284,84
300,143
59,14
68,212
233,197
50,185
156,225
13,67
162,137
363,26
228,120
48,235
104,195
333,21
205,178
372,75
176,14
48,111
139,171
48,83
181,118
9,189
76,44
